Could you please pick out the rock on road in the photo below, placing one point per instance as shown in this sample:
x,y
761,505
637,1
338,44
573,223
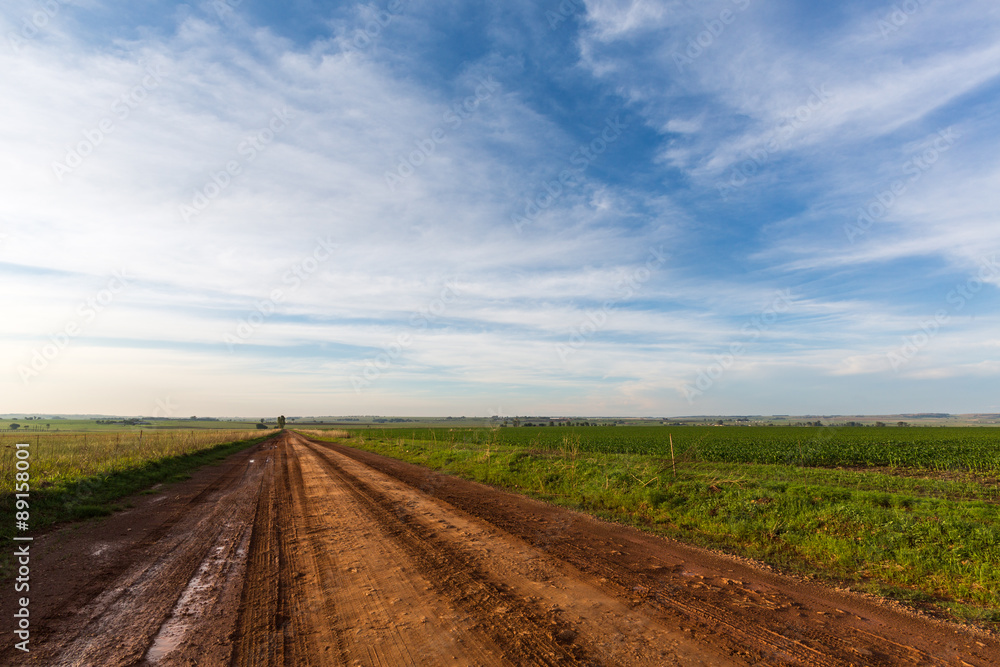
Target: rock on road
x,y
299,552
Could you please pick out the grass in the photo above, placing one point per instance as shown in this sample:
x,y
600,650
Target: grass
x,y
923,537
44,426
324,433
80,476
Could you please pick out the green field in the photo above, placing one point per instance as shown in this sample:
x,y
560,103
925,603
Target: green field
x,y
41,426
908,513
960,448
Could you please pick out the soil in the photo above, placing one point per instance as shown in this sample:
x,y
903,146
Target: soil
x,y
299,552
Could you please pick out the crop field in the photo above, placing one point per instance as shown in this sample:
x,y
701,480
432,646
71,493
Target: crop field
x,y
911,514
963,448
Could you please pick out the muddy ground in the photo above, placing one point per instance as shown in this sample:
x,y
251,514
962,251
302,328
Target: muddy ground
x,y
297,552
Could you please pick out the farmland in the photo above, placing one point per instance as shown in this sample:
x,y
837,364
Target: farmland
x,y
908,513
295,550
968,448
119,424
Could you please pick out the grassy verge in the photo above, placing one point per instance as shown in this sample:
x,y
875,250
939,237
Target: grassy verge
x,y
930,542
65,492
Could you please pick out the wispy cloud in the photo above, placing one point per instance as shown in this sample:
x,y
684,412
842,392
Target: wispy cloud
x,y
206,149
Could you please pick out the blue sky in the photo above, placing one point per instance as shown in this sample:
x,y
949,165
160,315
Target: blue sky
x,y
592,207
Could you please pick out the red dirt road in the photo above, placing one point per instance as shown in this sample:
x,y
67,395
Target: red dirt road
x,y
298,552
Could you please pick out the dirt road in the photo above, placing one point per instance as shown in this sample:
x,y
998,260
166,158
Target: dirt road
x,y
305,553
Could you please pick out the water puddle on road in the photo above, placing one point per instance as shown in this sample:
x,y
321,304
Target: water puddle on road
x,y
194,601
166,642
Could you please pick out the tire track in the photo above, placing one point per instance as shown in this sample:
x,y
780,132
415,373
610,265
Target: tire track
x,y
578,613
385,614
255,642
315,567
530,634
140,599
756,616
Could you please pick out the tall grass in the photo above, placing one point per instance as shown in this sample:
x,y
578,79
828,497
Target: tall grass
x,y
324,433
58,459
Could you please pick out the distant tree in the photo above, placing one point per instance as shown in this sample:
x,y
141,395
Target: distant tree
x,y
281,421
880,424
261,420
261,426
901,424
14,427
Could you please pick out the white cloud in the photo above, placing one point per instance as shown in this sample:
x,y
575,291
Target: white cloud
x,y
319,172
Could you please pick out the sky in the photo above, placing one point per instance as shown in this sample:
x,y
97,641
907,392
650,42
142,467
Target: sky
x,y
585,207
